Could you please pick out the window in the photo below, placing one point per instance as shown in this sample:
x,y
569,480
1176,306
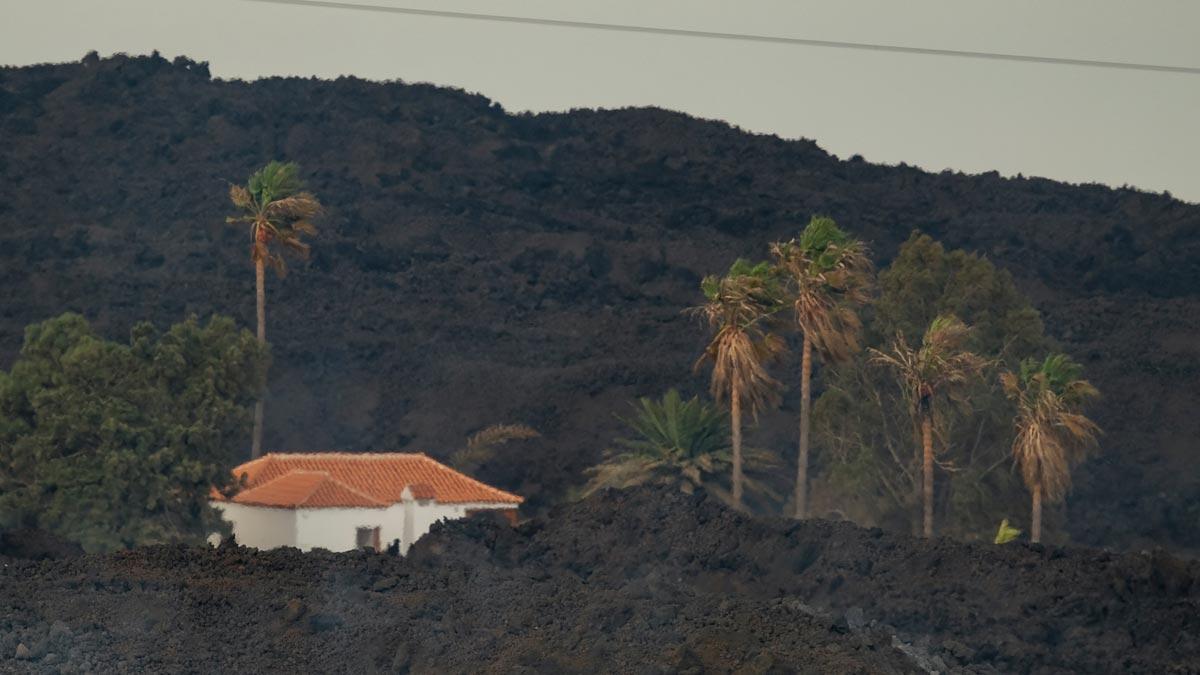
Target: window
x,y
367,537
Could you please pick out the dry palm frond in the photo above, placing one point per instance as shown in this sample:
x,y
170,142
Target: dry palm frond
x,y
300,205
500,433
739,366
829,276
304,227
240,197
481,445
294,245
740,308
278,211
1051,433
942,364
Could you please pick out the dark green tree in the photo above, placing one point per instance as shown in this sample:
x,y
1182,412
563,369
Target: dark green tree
x,y
113,444
865,422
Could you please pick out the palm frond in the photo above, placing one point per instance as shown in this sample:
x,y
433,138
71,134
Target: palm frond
x,y
740,310
240,197
274,181
675,443
278,264
295,246
297,206
940,365
481,445
498,434
304,227
828,277
278,209
1052,434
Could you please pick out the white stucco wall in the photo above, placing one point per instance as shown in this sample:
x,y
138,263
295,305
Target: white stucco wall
x,y
335,529
259,526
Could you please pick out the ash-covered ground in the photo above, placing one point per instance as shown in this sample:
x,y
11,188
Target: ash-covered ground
x,y
642,581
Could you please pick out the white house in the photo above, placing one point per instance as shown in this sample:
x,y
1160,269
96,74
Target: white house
x,y
343,501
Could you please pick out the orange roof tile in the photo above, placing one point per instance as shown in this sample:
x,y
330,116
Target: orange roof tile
x,y
373,480
306,489
422,491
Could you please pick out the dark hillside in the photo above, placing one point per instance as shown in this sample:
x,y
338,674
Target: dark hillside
x,y
478,267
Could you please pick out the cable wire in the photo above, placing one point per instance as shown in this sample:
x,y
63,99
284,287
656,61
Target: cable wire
x,y
742,37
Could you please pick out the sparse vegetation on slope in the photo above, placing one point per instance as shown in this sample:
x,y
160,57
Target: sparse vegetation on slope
x,y
532,267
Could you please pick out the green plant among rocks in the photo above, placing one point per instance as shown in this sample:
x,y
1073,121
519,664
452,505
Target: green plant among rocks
x,y
1005,533
682,444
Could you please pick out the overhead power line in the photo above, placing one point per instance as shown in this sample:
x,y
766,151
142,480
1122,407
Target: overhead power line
x,y
741,37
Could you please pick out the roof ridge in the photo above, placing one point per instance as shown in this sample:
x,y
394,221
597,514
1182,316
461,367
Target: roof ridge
x,y
292,473
315,486
338,453
348,488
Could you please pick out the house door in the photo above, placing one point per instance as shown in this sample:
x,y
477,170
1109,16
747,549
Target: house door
x,y
367,537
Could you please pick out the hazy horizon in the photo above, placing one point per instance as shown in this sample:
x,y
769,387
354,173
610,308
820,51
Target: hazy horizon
x,y
1067,123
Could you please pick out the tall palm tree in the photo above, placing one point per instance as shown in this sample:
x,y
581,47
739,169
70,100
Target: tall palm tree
x,y
739,308
673,442
1052,433
828,275
940,366
279,211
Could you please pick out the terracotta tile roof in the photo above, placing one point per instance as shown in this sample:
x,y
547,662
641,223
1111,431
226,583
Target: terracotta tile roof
x,y
306,489
422,491
342,479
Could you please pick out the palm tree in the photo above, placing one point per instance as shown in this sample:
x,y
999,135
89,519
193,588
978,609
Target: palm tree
x,y
828,274
278,210
739,308
942,365
677,443
1051,432
481,446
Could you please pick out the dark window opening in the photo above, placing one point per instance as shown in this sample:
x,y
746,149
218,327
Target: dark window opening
x,y
367,537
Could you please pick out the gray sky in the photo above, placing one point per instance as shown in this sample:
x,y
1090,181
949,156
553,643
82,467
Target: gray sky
x,y
1064,122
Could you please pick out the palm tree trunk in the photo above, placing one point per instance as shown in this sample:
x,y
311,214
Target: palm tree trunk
x,y
1036,530
261,297
735,422
805,420
927,475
